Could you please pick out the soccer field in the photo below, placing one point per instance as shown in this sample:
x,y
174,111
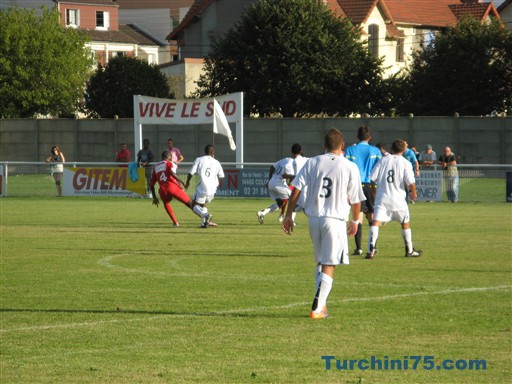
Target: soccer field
x,y
97,290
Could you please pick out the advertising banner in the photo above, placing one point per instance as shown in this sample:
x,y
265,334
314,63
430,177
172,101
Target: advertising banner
x,y
244,183
114,182
429,185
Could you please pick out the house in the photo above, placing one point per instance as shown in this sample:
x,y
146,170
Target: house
x,y
100,21
156,18
505,11
394,29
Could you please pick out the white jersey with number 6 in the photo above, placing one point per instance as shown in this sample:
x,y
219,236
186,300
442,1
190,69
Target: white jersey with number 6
x,y
333,183
390,174
209,171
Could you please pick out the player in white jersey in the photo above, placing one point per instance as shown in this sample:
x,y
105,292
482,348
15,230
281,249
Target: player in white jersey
x,y
393,175
279,174
210,175
334,191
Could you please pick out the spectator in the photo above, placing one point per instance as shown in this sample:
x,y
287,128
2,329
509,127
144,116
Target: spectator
x,y
427,157
123,155
57,169
394,177
334,192
365,156
176,156
145,157
210,174
451,174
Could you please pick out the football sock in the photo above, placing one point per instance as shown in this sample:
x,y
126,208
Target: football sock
x,y
359,236
283,207
270,209
293,216
170,212
322,292
318,274
200,211
372,238
407,235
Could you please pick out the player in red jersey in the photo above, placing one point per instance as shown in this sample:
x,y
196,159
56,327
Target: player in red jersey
x,y
164,173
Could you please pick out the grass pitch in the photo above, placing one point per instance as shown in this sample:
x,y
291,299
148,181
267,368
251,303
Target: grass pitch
x,y
106,291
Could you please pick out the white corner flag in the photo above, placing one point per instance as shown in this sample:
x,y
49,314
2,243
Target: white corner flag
x,y
220,124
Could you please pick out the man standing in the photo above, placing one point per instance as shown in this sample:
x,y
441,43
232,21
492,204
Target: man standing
x,y
210,176
176,156
427,157
451,174
393,176
365,156
123,155
164,174
333,192
145,156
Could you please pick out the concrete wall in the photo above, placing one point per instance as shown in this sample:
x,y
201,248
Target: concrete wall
x,y
476,140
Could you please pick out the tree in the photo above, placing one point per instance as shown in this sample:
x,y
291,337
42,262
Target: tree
x,y
43,66
110,90
293,58
467,69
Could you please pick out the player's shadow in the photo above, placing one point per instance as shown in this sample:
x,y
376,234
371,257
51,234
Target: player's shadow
x,y
121,311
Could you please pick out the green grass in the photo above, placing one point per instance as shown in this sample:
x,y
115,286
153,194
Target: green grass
x,y
105,291
474,190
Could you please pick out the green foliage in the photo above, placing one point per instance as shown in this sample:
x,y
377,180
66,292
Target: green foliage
x,y
43,66
467,69
110,90
293,58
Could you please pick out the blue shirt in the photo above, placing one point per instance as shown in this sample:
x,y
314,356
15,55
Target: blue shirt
x,y
365,156
411,157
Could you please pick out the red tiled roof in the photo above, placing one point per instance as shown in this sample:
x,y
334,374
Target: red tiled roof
x,y
357,10
435,13
477,10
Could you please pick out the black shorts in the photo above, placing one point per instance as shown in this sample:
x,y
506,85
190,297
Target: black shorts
x,y
370,191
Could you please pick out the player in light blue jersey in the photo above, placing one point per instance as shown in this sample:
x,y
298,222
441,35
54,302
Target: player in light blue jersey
x,y
365,156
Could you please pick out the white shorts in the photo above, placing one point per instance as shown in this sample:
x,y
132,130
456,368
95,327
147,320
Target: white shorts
x,y
279,192
383,215
202,198
330,241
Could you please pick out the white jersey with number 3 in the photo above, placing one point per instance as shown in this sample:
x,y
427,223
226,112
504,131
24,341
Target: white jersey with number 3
x,y
390,174
333,183
209,171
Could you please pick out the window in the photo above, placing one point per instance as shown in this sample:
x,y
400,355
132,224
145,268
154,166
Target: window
x,y
373,39
102,20
400,50
72,18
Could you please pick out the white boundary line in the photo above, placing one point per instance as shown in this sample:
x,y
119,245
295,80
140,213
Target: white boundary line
x,y
254,309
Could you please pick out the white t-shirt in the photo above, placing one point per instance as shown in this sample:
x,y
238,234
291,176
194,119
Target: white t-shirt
x,y
281,167
333,183
209,171
390,174
298,163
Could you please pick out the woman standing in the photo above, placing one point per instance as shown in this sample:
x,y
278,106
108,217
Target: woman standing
x,y
57,169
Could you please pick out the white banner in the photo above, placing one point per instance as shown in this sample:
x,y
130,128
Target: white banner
x,y
152,110
429,186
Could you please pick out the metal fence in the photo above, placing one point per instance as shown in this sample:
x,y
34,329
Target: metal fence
x,y
486,183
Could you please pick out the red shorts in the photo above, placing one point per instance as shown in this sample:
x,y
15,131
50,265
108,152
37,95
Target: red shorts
x,y
175,191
